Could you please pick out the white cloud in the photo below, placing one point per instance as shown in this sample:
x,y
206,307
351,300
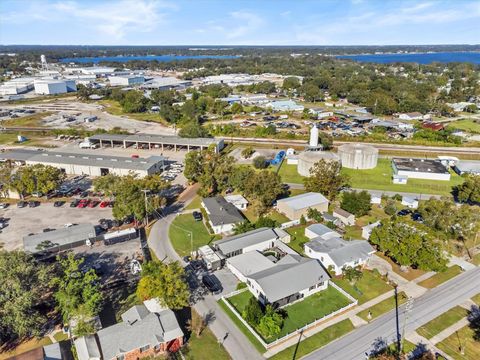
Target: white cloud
x,y
246,23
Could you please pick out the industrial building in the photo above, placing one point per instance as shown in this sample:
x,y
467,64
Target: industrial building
x,y
17,86
420,169
307,159
358,156
296,206
86,164
54,86
126,80
163,142
165,83
284,105
467,167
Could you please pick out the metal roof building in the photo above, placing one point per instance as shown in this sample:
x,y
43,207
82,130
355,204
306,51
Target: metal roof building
x,y
150,141
296,206
86,164
467,167
420,169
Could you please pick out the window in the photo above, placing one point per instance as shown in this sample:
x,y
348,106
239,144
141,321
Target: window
x,y
144,348
320,284
312,287
321,258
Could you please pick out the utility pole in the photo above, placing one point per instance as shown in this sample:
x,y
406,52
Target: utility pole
x,y
145,192
408,308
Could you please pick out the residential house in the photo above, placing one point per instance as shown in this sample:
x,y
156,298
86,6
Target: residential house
x,y
284,105
375,200
238,201
337,253
411,116
410,202
344,216
316,230
146,330
320,113
255,240
295,206
329,218
222,215
367,229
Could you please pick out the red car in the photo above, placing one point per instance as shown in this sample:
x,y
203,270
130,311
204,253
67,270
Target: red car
x,y
104,204
83,203
93,203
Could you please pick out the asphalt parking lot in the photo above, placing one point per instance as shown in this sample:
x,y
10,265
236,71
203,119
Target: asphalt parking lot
x,y
22,222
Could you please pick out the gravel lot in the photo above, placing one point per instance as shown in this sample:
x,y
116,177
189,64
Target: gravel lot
x,y
33,220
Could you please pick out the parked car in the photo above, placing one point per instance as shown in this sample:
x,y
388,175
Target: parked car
x,y
128,219
404,212
74,203
33,203
84,194
212,284
37,194
92,203
22,204
52,194
197,216
83,203
58,203
4,205
103,204
417,217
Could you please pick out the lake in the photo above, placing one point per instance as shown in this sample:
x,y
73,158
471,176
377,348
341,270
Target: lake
x,y
423,58
161,58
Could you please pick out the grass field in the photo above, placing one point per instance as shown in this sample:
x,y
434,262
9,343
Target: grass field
x,y
467,125
303,312
60,336
476,299
368,287
25,346
195,203
380,178
204,346
441,277
298,238
180,230
316,341
461,338
33,120
113,107
442,322
383,307
476,259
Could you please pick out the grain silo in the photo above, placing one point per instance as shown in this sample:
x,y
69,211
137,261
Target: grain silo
x,y
358,156
307,159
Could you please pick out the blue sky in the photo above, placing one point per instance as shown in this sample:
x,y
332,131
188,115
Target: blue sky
x,y
239,22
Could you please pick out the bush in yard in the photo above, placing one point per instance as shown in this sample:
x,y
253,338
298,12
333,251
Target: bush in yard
x,y
302,220
241,285
314,214
271,323
390,207
352,274
357,203
247,152
260,162
252,312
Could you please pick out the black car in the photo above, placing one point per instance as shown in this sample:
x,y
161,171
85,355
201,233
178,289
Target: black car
x,y
197,216
84,194
74,203
212,284
22,204
33,203
52,194
404,212
417,217
58,203
128,219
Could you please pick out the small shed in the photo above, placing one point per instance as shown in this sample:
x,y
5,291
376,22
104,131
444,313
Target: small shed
x,y
210,258
409,202
400,179
344,216
375,200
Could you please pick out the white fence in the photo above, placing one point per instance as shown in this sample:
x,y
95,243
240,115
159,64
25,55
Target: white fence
x,y
293,333
289,224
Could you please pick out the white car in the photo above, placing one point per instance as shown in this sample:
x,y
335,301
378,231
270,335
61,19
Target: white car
x,y
3,205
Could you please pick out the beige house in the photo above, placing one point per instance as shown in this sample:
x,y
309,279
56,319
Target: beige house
x,y
296,206
344,216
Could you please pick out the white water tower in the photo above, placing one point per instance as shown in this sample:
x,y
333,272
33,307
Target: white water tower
x,y
313,137
43,61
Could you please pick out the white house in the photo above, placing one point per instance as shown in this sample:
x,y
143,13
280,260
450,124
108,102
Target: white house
x,y
284,105
367,229
375,200
338,253
238,201
409,202
344,216
320,230
222,216
411,116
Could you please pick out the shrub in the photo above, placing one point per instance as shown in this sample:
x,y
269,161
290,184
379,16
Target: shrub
x,y
260,162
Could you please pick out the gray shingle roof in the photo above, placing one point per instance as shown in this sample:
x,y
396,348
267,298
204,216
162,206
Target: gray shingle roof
x,y
290,275
152,329
238,242
342,212
322,231
304,201
341,251
87,348
221,212
250,262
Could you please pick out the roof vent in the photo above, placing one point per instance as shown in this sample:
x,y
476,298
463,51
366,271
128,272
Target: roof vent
x,y
114,159
99,158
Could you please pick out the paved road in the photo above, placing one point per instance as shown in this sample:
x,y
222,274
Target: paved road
x,y
425,308
379,192
237,345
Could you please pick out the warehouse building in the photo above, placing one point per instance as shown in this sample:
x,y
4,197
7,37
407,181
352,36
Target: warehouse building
x,y
17,86
163,142
86,164
166,83
467,167
126,80
295,206
420,169
54,86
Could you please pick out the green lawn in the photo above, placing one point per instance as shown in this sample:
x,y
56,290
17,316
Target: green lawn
x,y
196,203
476,259
180,230
380,178
316,341
298,238
476,299
60,336
383,307
242,327
467,125
441,277
289,174
204,346
368,287
301,313
113,107
442,322
25,346
34,120
464,338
